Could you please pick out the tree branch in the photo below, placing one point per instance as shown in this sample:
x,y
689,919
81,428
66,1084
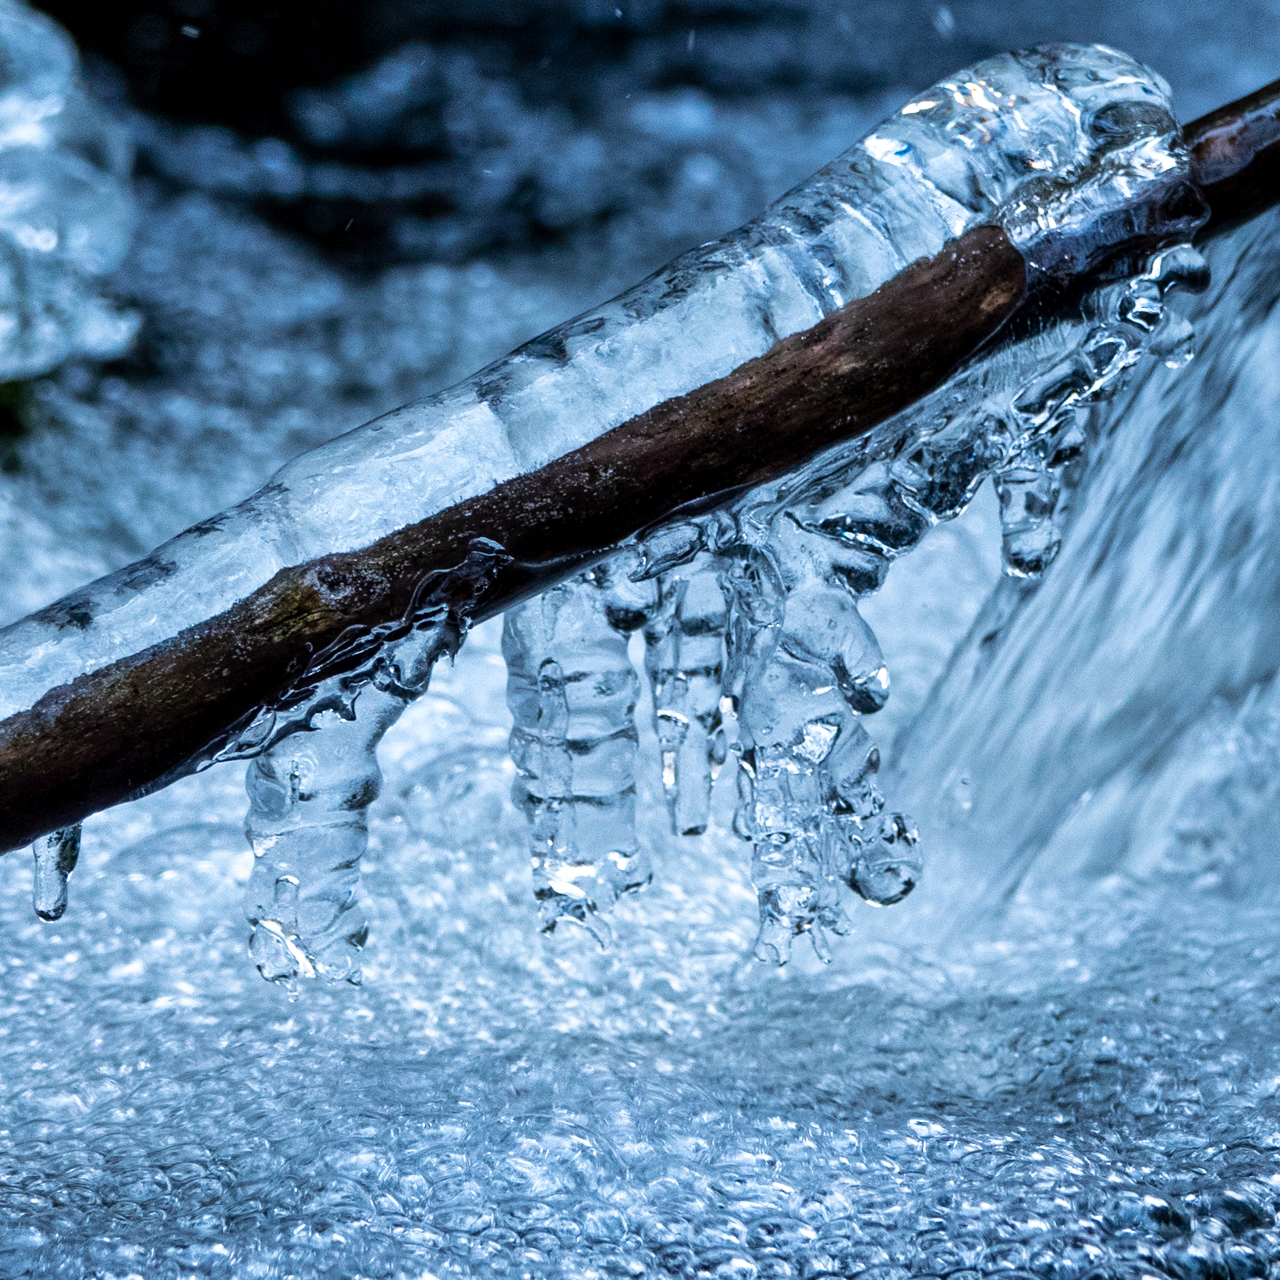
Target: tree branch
x,y
94,738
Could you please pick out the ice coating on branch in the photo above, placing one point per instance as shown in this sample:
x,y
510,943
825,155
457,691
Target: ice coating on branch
x,y
924,177
66,212
1009,140
572,693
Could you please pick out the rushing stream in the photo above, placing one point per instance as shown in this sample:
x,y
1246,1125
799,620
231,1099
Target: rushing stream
x,y
1054,1059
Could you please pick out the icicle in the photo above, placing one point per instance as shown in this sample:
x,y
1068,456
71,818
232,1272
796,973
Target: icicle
x,y
572,691
307,824
1028,493
314,773
684,656
56,857
804,667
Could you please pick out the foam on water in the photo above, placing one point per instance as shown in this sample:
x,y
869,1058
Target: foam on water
x,y
1083,1091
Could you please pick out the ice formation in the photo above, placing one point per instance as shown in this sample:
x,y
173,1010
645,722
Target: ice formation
x,y
56,856
1071,149
572,693
800,666
1085,1088
66,211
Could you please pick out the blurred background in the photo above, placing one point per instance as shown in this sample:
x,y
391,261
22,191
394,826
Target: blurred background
x,y
337,208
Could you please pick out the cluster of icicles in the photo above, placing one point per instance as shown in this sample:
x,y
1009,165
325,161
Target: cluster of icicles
x,y
755,651
754,644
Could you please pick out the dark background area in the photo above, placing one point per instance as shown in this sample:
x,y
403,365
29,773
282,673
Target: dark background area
x,y
430,130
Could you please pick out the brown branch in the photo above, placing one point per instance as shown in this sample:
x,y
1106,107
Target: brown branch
x,y
1235,158
92,742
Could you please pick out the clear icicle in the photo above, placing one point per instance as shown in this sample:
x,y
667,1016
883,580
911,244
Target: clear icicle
x,y
56,857
307,821
804,667
684,657
572,692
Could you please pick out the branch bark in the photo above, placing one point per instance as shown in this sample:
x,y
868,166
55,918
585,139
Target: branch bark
x,y
92,740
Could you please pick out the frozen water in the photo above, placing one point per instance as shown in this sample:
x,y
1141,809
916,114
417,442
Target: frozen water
x,y
684,656
1097,138
1084,1087
572,693
1070,148
1025,139
56,856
